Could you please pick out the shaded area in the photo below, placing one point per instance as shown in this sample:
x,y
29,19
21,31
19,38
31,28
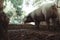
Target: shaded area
x,y
28,32
30,26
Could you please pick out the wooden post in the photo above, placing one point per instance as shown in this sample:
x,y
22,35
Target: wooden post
x,y
3,23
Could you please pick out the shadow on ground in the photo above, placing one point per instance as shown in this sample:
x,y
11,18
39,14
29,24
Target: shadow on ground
x,y
28,32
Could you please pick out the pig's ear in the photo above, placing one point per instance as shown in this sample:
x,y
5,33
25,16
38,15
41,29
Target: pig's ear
x,y
54,7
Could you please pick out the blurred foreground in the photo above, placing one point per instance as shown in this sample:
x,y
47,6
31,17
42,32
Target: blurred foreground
x,y
28,32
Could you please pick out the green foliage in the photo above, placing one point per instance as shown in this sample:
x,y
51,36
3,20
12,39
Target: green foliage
x,y
16,3
19,12
9,14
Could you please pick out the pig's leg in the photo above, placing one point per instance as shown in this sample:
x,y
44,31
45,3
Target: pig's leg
x,y
48,23
55,23
37,24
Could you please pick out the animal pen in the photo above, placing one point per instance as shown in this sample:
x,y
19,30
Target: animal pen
x,y
26,31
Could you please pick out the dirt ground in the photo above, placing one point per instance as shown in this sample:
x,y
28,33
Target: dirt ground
x,y
28,32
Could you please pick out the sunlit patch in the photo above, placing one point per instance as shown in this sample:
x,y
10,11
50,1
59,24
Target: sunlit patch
x,y
32,23
28,8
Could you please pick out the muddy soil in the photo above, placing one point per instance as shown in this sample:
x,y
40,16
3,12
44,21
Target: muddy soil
x,y
28,32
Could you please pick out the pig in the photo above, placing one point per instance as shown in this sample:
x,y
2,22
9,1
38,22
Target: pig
x,y
45,12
